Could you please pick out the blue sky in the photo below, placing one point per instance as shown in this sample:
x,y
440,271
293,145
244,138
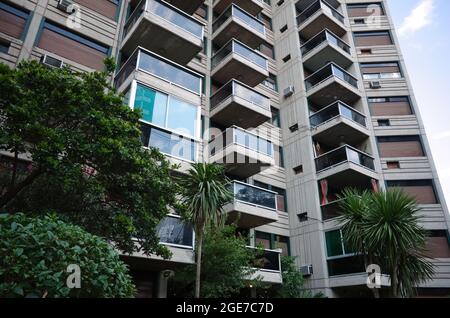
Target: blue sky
x,y
423,28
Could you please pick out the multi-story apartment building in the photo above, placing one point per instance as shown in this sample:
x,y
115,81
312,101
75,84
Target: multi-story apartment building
x,y
299,99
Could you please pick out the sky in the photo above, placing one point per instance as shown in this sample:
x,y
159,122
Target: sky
x,y
423,28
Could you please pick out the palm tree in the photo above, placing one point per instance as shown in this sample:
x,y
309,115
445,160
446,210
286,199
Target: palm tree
x,y
384,228
205,193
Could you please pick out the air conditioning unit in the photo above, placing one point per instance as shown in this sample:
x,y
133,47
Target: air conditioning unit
x,y
306,270
375,84
289,91
66,6
51,61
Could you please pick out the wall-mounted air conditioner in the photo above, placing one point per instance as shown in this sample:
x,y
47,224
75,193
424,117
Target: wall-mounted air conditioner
x,y
66,6
306,270
375,84
51,61
289,91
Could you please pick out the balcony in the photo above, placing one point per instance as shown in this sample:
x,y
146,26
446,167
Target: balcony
x,y
346,165
318,16
238,24
252,206
326,46
178,236
163,29
268,266
332,83
338,122
187,6
159,72
234,98
237,61
243,153
254,7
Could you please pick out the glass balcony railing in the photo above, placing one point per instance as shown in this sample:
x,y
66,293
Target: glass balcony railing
x,y
173,231
167,12
267,260
344,154
170,144
234,88
327,72
236,12
158,66
316,6
331,210
252,195
237,136
242,50
335,110
324,36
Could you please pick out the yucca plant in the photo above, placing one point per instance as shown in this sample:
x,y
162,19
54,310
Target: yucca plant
x,y
384,228
205,193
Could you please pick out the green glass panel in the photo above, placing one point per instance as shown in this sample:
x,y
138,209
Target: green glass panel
x,y
152,104
334,243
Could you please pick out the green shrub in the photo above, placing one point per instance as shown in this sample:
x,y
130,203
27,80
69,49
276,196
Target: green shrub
x,y
35,254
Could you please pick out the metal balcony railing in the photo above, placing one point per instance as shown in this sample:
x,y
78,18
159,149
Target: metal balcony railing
x,y
255,196
236,12
316,6
242,50
324,36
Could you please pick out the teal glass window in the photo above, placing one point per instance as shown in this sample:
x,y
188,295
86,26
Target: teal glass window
x,y
334,243
152,104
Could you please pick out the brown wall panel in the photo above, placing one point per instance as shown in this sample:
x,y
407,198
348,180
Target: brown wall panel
x,y
400,149
104,7
376,70
423,194
72,50
11,24
437,247
390,109
364,12
373,40
280,203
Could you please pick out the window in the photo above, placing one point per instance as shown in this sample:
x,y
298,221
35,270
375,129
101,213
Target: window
x,y
271,82
393,165
365,9
13,20
374,71
390,106
422,190
400,146
267,2
281,194
373,38
384,122
267,50
4,47
275,120
166,111
273,241
336,246
266,20
72,46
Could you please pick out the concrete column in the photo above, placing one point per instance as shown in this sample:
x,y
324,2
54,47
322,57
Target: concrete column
x,y
163,279
33,29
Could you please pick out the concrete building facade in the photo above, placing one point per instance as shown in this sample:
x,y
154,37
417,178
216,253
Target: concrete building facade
x,y
298,99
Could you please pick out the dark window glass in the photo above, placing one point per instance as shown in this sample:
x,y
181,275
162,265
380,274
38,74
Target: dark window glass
x,y
271,82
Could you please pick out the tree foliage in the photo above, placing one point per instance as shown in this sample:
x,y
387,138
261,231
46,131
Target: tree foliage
x,y
36,252
205,193
225,267
76,150
384,227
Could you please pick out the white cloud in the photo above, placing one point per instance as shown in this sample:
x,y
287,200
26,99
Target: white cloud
x,y
420,17
441,135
